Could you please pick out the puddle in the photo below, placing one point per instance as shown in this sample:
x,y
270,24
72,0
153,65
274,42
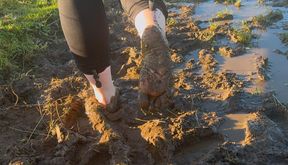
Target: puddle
x,y
246,64
249,9
193,153
279,64
234,127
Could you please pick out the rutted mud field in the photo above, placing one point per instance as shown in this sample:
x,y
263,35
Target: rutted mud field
x,y
229,95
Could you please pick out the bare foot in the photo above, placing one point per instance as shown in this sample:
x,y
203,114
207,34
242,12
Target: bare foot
x,y
155,74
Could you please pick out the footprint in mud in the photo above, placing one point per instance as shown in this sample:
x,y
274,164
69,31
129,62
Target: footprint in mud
x,y
193,153
234,127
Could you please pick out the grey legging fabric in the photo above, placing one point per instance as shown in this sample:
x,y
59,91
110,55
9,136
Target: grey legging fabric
x,y
86,30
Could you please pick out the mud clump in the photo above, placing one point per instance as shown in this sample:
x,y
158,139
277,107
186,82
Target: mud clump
x,y
222,17
205,35
104,144
242,36
132,61
109,136
280,3
132,73
158,140
262,68
284,38
222,80
206,58
189,126
186,11
181,81
59,88
264,21
167,137
77,149
156,134
214,80
264,130
227,52
262,137
64,105
176,58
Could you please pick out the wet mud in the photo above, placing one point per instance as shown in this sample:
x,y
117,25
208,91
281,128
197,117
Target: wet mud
x,y
234,127
229,103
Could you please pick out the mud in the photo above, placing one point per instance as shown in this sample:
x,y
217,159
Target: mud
x,y
222,17
262,68
223,110
281,3
284,38
227,52
234,127
263,21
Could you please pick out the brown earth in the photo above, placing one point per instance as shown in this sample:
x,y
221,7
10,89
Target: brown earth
x,y
50,116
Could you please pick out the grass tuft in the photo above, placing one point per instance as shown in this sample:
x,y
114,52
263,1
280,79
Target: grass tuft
x,y
26,27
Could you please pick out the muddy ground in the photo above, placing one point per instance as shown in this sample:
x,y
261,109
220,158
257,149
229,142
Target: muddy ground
x,y
224,110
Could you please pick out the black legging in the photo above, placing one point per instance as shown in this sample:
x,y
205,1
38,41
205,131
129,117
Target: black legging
x,y
86,30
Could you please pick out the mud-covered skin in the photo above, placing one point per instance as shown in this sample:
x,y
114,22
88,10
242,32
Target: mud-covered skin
x,y
155,73
112,110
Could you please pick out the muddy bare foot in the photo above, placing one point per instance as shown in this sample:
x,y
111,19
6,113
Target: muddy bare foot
x,y
156,70
109,113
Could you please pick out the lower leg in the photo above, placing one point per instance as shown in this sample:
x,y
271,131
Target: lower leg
x,y
141,14
155,73
142,20
88,40
147,17
107,89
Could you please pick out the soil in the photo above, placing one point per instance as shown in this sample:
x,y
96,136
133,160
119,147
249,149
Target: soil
x,y
223,111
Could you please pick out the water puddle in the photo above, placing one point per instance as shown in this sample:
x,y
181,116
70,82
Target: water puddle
x,y
279,64
193,153
234,126
246,65
248,9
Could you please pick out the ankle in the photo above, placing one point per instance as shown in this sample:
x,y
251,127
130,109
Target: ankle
x,y
107,89
147,18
